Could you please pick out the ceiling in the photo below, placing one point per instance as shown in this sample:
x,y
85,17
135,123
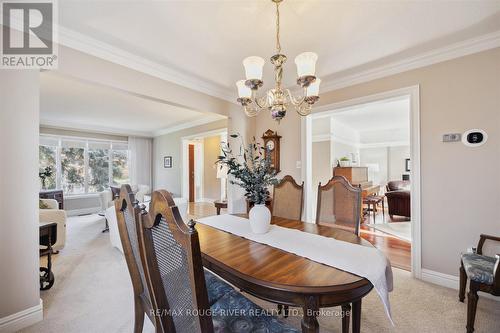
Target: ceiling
x,y
72,104
377,116
207,40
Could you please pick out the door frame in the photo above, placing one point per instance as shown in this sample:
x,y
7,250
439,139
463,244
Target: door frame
x,y
191,139
413,93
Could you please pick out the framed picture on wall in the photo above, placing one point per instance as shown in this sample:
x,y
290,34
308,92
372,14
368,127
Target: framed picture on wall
x,y
407,165
167,162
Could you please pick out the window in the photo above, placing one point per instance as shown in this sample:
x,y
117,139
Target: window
x,y
120,168
73,167
83,166
98,166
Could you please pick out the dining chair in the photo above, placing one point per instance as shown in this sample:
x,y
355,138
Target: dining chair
x,y
339,204
127,214
288,198
484,275
173,258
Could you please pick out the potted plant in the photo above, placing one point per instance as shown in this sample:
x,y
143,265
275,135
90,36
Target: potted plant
x,y
344,161
251,170
45,173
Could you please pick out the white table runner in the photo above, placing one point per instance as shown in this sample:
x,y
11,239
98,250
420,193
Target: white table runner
x,y
364,261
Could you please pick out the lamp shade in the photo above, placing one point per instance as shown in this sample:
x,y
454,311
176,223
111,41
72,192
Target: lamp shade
x,y
222,171
253,67
306,64
313,89
243,90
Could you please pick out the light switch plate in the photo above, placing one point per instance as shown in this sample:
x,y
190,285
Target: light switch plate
x,y
298,164
452,137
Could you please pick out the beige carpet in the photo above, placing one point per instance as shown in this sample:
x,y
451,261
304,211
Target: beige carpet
x,y
92,293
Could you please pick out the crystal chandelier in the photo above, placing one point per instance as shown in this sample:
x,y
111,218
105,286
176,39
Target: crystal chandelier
x,y
278,99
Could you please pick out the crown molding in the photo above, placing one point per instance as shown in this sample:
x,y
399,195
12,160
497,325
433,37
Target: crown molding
x,y
202,121
92,46
449,52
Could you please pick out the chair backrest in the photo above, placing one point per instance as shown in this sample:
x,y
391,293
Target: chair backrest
x,y
339,204
127,215
396,185
173,259
288,197
115,191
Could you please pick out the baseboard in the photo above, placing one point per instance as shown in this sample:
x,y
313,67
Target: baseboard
x,y
448,281
83,211
22,319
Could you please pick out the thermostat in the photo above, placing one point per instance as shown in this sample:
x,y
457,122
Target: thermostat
x,y
474,138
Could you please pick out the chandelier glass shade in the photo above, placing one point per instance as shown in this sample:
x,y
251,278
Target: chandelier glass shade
x,y
278,99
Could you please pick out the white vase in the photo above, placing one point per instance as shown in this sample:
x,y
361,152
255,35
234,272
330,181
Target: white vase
x,y
260,219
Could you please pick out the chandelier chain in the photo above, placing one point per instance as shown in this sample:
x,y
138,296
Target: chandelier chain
x,y
278,44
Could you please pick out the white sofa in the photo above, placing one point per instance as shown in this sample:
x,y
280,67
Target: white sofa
x,y
54,214
107,198
114,235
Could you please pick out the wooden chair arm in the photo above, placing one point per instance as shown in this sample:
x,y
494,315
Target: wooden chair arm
x,y
496,274
483,239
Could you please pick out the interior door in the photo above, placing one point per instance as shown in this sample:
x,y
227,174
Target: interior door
x,y
191,173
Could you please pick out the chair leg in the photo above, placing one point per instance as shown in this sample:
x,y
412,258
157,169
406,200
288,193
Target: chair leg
x,y
463,284
139,315
472,305
346,309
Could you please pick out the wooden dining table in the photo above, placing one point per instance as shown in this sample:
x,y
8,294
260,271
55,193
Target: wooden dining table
x,y
285,278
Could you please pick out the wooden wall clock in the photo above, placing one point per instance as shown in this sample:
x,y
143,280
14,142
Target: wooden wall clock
x,y
272,143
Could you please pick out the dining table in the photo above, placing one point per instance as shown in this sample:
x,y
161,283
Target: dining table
x,y
284,278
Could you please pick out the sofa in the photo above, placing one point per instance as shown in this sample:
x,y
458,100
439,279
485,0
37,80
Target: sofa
x,y
54,214
107,196
398,198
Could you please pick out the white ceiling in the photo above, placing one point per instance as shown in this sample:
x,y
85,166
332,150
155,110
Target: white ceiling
x,y
207,40
378,116
72,104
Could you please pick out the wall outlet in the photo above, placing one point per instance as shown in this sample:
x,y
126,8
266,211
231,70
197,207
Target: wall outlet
x,y
452,137
298,164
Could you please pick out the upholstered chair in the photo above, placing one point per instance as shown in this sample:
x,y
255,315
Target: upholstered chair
x,y
483,273
398,198
53,214
288,197
339,204
182,301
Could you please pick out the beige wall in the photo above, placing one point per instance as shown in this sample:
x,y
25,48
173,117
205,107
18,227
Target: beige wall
x,y
19,124
170,145
211,185
322,170
459,185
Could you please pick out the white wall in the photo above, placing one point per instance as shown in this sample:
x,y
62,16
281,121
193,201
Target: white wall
x,y
19,261
397,156
375,158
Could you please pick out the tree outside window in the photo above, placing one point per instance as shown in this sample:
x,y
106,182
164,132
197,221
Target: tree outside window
x,y
98,170
73,170
120,167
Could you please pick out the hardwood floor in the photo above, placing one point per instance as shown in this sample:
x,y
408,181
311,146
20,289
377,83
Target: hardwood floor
x,y
398,251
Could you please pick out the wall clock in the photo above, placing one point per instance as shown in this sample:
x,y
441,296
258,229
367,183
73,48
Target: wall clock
x,y
272,144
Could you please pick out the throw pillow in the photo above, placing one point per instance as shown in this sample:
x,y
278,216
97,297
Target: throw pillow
x,y
42,205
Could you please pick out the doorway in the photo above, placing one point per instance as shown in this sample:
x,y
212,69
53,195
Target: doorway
x,y
377,171
201,183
